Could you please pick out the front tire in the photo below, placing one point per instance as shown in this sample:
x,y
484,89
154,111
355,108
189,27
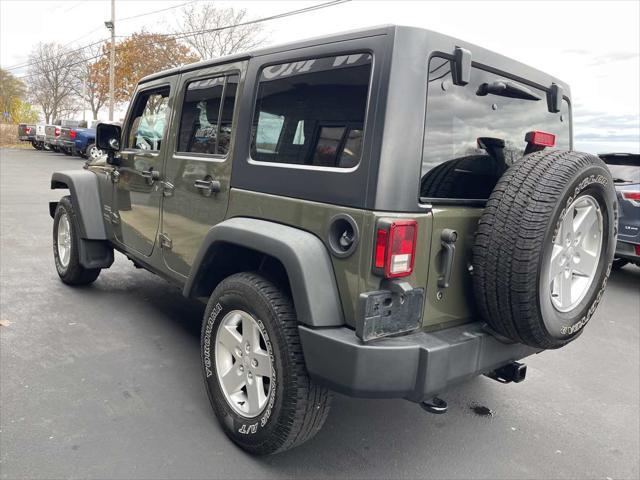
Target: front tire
x,y
66,241
254,369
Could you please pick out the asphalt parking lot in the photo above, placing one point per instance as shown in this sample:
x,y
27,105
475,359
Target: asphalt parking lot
x,y
104,382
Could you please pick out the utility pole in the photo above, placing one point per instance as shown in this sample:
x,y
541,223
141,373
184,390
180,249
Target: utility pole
x,y
111,25
84,98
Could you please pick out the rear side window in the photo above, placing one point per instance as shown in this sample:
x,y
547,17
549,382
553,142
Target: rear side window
x,y
312,112
207,115
473,133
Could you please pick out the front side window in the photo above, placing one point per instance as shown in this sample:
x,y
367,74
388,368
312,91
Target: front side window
x,y
312,112
473,133
207,114
149,120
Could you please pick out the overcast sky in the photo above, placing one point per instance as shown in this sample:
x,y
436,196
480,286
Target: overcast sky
x,y
593,46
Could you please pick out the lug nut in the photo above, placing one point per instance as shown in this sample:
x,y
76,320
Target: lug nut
x,y
241,368
254,363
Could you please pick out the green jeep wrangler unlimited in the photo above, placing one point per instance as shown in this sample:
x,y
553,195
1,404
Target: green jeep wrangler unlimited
x,y
383,213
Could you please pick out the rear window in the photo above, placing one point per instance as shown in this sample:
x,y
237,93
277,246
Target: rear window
x,y
312,112
472,135
624,168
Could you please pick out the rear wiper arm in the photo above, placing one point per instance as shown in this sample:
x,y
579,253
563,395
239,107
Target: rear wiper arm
x,y
507,89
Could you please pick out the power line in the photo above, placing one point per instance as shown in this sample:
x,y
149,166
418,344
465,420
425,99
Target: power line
x,y
176,36
63,55
27,64
155,11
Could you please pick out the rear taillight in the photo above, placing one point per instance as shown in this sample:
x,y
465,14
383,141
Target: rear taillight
x,y
72,134
633,196
27,130
637,248
57,132
395,248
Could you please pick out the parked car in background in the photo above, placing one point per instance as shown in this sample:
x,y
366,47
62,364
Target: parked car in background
x,y
84,142
54,137
39,142
26,133
625,170
66,139
52,132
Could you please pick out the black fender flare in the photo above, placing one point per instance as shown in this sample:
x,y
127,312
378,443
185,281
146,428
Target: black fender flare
x,y
303,255
85,198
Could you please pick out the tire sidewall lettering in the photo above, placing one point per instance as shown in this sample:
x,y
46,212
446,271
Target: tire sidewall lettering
x,y
244,426
586,182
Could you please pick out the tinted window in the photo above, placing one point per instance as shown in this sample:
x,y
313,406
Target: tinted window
x,y
473,134
312,112
149,120
204,126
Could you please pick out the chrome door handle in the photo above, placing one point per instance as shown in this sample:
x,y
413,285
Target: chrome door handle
x,y
207,187
150,175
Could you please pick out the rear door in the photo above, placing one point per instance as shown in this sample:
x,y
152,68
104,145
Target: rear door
x,y
198,169
138,189
473,133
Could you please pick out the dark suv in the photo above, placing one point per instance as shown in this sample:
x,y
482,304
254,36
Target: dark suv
x,y
625,169
383,213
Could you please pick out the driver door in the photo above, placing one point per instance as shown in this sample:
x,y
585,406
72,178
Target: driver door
x,y
138,189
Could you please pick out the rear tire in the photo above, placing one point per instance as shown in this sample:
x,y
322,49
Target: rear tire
x,y
293,407
66,241
534,284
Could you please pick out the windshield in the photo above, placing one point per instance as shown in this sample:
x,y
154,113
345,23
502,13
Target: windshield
x,y
473,133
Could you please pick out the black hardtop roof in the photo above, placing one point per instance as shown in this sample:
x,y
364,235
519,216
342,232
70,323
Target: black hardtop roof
x,y
393,32
335,37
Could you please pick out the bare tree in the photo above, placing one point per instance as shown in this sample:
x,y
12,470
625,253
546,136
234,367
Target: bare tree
x,y
52,80
219,41
89,85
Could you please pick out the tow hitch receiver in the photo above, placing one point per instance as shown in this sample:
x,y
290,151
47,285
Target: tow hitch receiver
x,y
511,372
435,405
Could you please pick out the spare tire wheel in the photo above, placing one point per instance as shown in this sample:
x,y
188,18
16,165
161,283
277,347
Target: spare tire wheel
x,y
544,247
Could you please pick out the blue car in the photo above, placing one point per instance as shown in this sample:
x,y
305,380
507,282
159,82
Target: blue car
x,y
625,170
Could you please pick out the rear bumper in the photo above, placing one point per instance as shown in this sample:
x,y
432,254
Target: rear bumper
x,y
417,366
627,251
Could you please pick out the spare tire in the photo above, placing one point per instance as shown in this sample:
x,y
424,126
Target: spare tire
x,y
544,247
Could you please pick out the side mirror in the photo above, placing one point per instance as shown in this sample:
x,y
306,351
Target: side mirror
x,y
108,140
